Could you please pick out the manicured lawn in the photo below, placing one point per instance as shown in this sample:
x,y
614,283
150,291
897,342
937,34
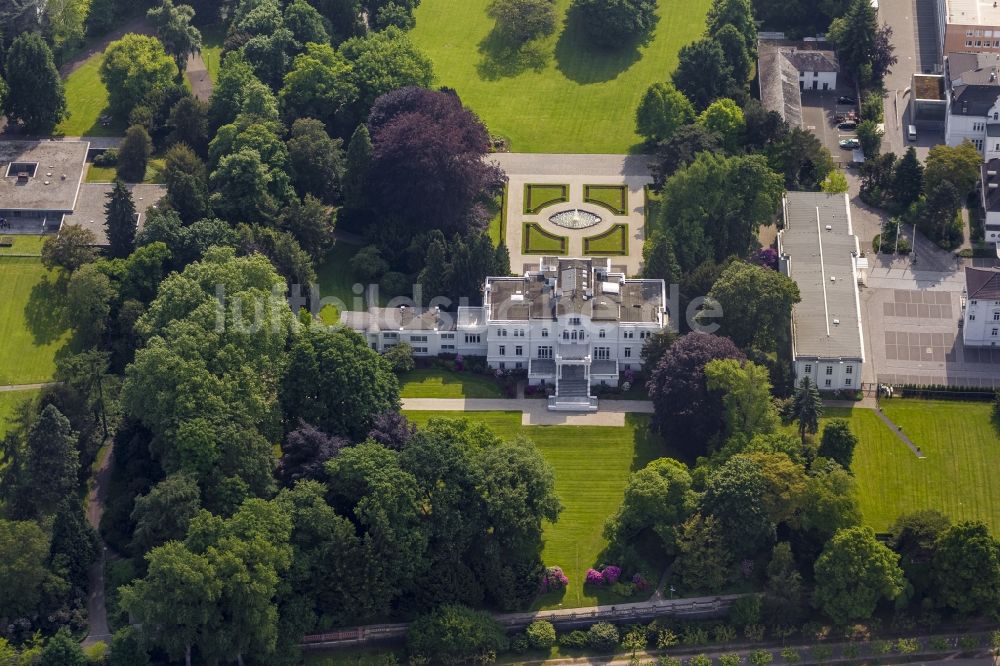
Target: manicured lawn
x,y
86,101
212,37
537,197
498,224
611,242
958,475
23,245
612,197
9,401
536,240
441,383
592,465
154,172
336,281
582,100
32,321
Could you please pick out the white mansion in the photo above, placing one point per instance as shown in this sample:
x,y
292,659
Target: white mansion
x,y
981,307
572,323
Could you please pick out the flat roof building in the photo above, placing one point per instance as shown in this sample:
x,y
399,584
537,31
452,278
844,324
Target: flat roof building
x,y
819,251
968,25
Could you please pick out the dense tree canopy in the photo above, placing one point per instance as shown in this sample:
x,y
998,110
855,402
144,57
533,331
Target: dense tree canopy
x,y
174,29
662,111
34,92
382,62
657,499
132,67
853,573
966,565
756,304
616,23
428,167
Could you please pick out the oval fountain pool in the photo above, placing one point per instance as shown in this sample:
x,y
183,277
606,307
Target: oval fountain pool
x,y
575,219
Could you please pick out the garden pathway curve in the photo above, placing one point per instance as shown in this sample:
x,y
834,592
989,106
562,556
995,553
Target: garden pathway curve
x,y
534,411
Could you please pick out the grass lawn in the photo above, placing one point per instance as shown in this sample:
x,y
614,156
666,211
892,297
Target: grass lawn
x,y
23,245
86,101
154,172
537,197
612,241
498,225
963,451
612,197
336,281
32,322
582,100
212,37
592,465
538,241
441,383
9,400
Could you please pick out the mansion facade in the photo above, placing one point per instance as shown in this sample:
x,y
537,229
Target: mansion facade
x,y
570,324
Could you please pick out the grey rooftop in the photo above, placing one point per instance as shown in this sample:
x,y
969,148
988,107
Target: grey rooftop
x,y
819,250
89,211
50,175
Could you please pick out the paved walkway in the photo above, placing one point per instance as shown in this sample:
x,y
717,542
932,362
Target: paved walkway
x,y
197,74
97,612
25,387
534,411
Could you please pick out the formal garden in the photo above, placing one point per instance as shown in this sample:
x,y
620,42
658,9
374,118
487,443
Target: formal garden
x,y
537,197
536,240
614,241
568,95
612,197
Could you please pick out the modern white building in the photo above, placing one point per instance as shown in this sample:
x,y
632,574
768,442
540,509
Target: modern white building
x,y
990,193
571,324
819,251
972,83
981,312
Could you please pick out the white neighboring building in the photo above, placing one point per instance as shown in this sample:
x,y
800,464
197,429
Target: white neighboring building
x,y
572,323
972,83
990,193
818,249
981,316
785,68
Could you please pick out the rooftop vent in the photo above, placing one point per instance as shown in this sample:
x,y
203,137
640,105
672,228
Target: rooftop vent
x,y
833,278
990,173
829,227
836,322
994,186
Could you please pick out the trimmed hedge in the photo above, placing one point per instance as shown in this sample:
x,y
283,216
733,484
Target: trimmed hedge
x,y
612,197
537,197
535,240
614,241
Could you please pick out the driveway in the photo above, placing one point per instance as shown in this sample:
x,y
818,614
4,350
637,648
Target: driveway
x,y
915,36
819,110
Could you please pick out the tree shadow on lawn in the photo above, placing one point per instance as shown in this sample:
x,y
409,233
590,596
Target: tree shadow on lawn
x,y
502,59
583,61
45,311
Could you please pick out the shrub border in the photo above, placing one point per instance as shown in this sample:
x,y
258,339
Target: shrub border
x,y
528,210
526,235
617,228
622,189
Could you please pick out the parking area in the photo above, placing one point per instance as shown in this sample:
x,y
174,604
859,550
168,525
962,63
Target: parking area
x,y
819,112
914,334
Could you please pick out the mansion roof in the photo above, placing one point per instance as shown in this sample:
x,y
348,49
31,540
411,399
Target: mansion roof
x,y
983,283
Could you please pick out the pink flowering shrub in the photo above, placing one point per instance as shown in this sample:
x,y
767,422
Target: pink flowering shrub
x,y
640,583
611,574
554,580
594,577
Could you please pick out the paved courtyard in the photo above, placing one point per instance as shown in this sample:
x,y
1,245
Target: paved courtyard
x,y
576,171
913,333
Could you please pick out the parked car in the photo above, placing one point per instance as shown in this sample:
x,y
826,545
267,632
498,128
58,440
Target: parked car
x,y
844,99
848,125
850,144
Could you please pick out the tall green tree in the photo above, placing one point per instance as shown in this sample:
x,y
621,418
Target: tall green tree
x,y
714,207
174,29
63,650
71,248
132,67
746,390
311,223
958,165
164,513
186,177
188,123
739,15
703,558
53,463
120,221
703,75
133,156
854,36
90,295
318,86
756,304
725,118
317,159
737,54
733,495
657,501
907,179
240,187
838,442
853,573
783,593
35,97
176,600
966,568
914,536
616,23
659,262
830,503
382,62
455,634
807,407
24,549
662,110
356,167
336,382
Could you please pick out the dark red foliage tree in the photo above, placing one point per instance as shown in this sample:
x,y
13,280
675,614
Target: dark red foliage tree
x,y
685,410
392,430
427,169
305,450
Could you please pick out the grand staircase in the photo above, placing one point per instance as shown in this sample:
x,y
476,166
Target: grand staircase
x,y
572,392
